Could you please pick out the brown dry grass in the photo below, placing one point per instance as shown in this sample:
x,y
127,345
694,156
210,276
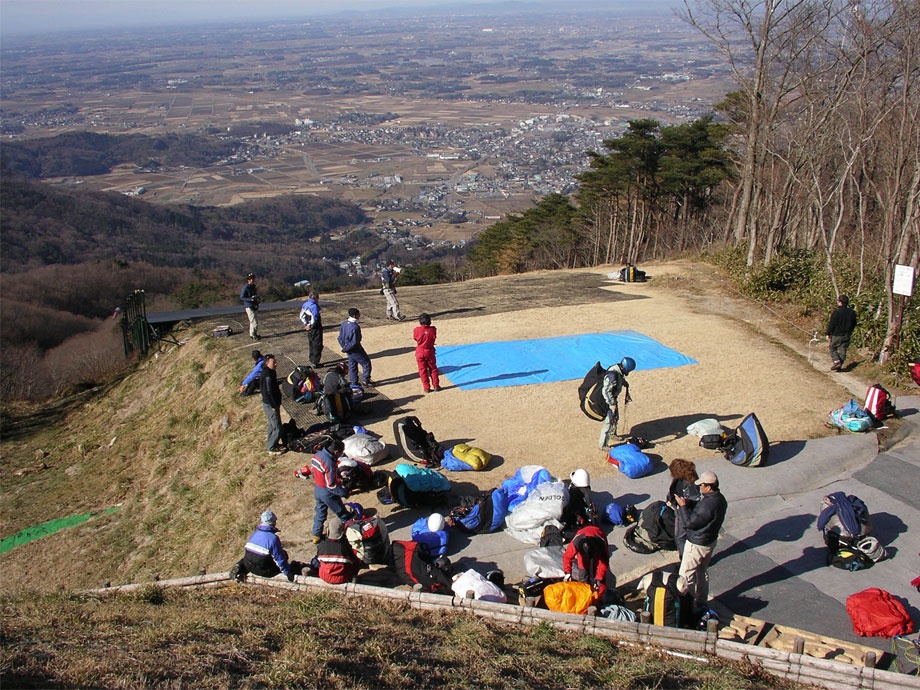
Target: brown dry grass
x,y
244,637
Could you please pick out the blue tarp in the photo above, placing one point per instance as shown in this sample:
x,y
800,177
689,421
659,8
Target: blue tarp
x,y
545,360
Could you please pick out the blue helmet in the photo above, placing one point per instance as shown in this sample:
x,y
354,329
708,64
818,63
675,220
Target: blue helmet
x,y
627,364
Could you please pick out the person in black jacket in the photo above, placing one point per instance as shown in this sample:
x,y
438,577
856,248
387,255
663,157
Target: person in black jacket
x,y
701,524
271,404
839,329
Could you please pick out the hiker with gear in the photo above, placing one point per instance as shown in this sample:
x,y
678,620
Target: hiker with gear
x,y
587,559
580,510
614,382
313,324
388,278
264,555
249,296
328,491
250,384
701,524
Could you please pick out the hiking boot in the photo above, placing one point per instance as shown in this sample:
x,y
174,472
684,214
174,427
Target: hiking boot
x,y
277,451
317,539
236,573
369,382
436,389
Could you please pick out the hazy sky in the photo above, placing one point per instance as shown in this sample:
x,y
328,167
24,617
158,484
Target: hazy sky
x,y
43,16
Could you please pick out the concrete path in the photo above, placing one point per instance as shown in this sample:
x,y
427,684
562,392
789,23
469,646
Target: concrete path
x,y
769,563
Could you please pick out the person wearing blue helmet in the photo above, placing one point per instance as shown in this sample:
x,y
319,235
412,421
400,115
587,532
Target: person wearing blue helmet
x,y
614,382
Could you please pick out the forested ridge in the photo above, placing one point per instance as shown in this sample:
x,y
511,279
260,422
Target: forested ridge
x,y
42,225
91,153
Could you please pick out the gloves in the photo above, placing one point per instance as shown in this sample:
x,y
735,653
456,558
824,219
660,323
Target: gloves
x,y
290,576
567,577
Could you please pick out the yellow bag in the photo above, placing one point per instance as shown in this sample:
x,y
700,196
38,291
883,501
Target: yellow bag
x,y
476,458
569,597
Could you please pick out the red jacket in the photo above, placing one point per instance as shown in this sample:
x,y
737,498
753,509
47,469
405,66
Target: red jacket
x,y
593,571
424,337
337,561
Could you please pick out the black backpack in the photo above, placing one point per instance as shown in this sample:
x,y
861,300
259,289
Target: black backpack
x,y
667,606
590,394
417,444
847,557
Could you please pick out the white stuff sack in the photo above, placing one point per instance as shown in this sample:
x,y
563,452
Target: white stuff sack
x,y
705,427
545,562
543,507
366,448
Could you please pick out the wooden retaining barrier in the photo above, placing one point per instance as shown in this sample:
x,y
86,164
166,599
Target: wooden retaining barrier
x,y
793,666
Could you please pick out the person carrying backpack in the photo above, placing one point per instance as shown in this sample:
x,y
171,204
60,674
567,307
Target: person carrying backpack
x,y
614,382
328,491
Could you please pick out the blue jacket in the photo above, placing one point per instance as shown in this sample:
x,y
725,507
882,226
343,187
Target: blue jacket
x,y
350,336
388,278
264,545
255,373
309,313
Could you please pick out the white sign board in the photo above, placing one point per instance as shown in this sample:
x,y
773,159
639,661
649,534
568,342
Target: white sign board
x,y
903,280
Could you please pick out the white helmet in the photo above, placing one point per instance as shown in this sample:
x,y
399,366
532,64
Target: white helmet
x,y
435,522
580,478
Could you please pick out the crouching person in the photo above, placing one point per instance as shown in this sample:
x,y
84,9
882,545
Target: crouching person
x,y
336,562
264,555
587,558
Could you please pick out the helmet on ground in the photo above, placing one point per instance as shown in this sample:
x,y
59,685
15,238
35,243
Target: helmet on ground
x,y
435,522
268,518
581,478
627,364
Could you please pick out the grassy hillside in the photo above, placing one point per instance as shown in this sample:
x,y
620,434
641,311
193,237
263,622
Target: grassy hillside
x,y
172,448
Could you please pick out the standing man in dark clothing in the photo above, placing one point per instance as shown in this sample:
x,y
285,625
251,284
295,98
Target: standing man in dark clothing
x,y
701,524
350,342
839,329
249,296
271,404
313,325
388,277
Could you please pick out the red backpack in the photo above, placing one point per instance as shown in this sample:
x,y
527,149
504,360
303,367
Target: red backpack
x,y
878,403
875,613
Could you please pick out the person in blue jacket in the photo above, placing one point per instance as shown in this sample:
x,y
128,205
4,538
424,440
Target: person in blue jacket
x,y
264,555
250,384
350,342
312,321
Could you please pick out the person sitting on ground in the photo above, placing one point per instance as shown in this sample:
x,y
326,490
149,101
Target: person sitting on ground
x,y
250,384
335,380
580,511
683,483
336,562
263,555
587,559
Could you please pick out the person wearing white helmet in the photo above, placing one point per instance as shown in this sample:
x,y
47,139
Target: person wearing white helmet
x,y
580,510
432,531
614,382
263,555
